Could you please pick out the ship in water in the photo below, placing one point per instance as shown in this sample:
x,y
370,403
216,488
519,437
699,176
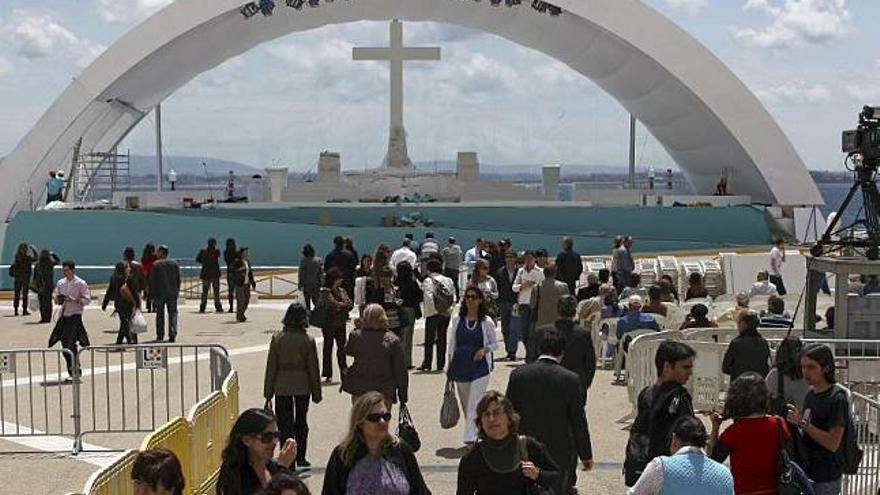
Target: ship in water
x,y
747,183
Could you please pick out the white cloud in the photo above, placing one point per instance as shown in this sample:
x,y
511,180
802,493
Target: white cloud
x,y
795,92
36,35
796,23
128,10
864,86
689,6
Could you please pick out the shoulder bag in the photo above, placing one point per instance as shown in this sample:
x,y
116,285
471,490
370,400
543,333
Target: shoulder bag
x,y
406,429
792,480
449,414
532,487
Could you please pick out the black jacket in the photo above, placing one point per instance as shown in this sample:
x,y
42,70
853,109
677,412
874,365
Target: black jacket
x,y
580,355
344,260
747,352
44,274
505,285
165,279
336,475
569,267
659,407
210,260
550,402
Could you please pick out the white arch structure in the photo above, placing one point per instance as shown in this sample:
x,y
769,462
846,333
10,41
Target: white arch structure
x,y
702,114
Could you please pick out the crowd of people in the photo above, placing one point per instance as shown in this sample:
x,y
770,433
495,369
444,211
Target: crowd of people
x,y
534,437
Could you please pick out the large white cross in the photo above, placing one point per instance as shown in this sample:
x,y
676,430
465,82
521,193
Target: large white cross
x,y
396,53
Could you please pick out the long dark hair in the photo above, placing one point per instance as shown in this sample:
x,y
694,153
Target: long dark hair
x,y
149,250
463,311
788,358
823,355
119,270
296,317
235,454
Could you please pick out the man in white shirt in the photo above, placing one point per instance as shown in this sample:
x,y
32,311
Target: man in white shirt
x,y
525,286
436,321
777,258
404,253
763,287
472,255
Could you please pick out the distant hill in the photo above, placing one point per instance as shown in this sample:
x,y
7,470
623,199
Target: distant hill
x,y
190,165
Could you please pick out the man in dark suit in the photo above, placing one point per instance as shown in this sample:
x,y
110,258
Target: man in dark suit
x,y
209,258
164,289
580,355
344,260
504,277
550,401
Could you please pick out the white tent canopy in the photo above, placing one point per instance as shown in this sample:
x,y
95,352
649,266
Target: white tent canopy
x,y
700,112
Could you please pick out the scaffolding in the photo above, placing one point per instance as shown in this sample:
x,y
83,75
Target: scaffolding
x,y
99,172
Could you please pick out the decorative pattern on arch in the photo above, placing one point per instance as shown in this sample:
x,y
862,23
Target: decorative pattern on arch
x,y
701,113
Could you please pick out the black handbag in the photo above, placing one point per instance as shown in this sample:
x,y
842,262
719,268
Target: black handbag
x,y
792,480
532,487
406,429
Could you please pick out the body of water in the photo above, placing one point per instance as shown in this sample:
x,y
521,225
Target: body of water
x,y
834,194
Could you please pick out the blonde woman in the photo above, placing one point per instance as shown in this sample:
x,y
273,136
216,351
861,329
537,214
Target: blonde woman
x,y
483,281
370,459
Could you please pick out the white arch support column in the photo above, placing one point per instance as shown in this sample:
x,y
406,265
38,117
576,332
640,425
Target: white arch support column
x,y
699,111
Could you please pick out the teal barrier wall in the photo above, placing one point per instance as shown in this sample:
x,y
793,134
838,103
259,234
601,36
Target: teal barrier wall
x,y
276,236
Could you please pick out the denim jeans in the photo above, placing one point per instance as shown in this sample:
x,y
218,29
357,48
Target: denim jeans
x,y
526,328
161,304
509,327
827,488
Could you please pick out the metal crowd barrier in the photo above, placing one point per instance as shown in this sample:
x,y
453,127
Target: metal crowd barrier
x,y
121,389
197,440
866,416
36,399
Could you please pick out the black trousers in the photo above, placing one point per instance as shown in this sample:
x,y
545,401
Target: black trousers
x,y
213,284
230,289
124,332
22,286
71,326
435,334
292,413
45,306
780,287
333,333
311,296
453,274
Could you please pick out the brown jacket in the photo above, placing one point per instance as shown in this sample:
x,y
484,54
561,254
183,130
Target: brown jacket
x,y
292,366
338,306
378,364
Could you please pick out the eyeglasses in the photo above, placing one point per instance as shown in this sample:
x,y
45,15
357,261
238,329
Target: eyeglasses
x,y
376,417
269,436
472,296
494,413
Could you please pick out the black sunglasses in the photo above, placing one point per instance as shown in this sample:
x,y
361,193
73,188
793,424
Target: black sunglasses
x,y
375,417
269,436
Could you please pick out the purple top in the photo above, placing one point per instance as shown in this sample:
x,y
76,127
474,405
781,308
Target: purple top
x,y
76,295
372,475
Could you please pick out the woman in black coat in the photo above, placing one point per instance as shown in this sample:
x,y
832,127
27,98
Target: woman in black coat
x,y
44,282
503,462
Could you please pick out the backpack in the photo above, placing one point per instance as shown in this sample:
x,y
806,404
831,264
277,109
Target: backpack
x,y
636,453
444,298
849,456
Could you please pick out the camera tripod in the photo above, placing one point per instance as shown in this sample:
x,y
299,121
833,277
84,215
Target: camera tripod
x,y
838,239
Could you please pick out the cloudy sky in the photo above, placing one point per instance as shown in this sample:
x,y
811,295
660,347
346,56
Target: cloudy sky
x,y
814,63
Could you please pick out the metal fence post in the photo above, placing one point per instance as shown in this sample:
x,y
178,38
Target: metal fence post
x,y
77,417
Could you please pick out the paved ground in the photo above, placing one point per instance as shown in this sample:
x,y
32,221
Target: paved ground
x,y
26,473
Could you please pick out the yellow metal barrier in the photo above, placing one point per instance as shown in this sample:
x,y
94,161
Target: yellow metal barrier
x,y
115,479
175,436
197,440
209,419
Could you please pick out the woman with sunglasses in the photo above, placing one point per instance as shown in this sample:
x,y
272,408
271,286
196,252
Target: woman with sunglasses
x,y
248,458
503,462
370,460
472,340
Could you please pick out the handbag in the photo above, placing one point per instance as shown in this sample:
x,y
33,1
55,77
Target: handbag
x,y
449,413
532,487
792,480
778,404
318,315
138,323
406,429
